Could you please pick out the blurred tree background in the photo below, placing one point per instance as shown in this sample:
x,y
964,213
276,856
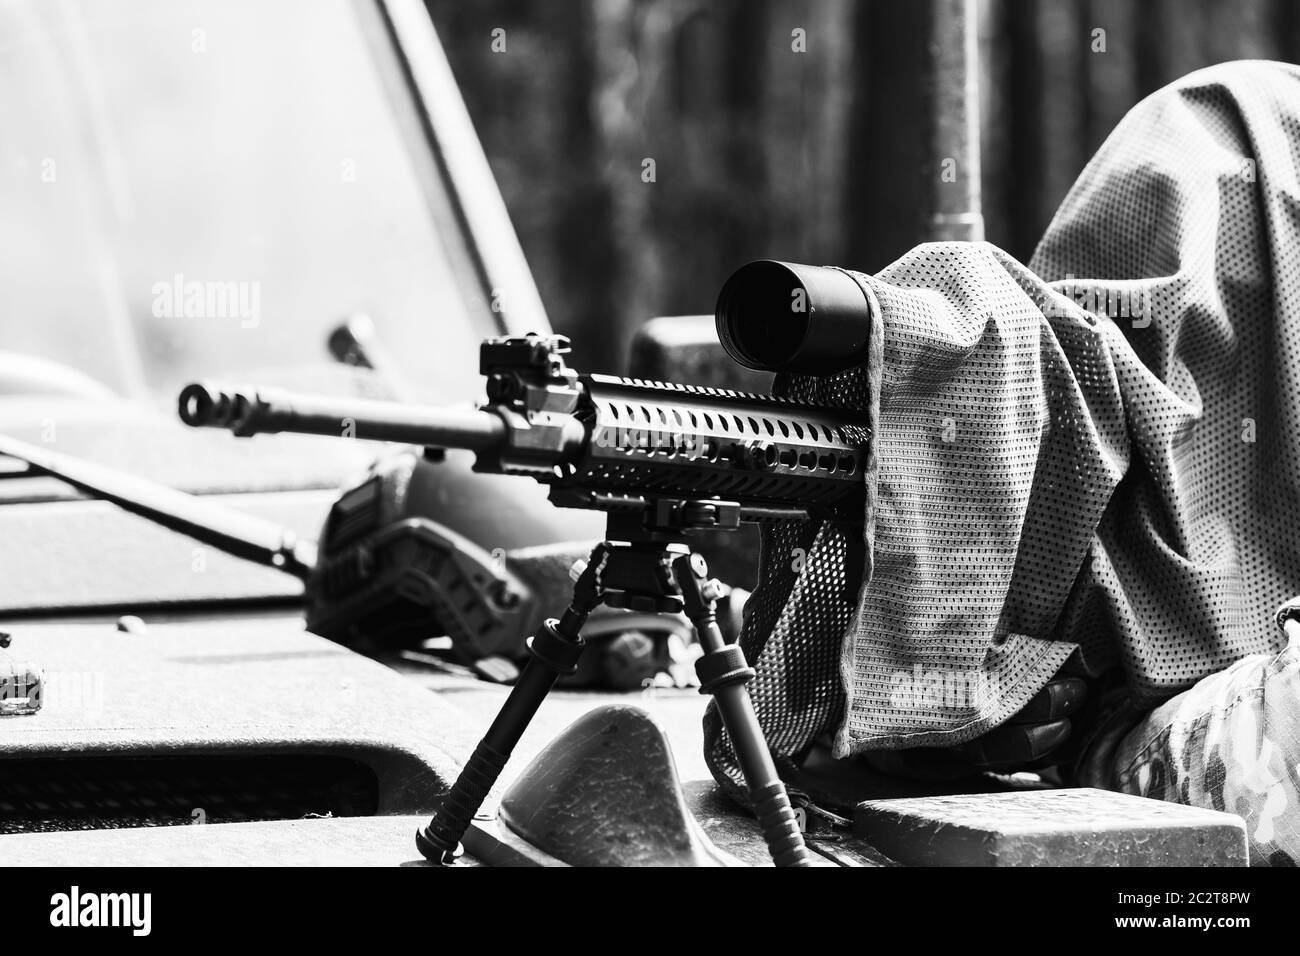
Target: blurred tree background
x,y
761,150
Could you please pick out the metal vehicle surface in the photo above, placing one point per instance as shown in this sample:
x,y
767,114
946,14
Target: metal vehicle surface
x,y
175,674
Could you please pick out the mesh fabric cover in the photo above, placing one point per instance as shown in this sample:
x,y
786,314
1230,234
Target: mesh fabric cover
x,y
1094,461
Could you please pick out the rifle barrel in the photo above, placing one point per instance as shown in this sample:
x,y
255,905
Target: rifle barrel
x,y
252,411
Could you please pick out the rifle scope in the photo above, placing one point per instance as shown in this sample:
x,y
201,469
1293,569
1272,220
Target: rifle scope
x,y
783,317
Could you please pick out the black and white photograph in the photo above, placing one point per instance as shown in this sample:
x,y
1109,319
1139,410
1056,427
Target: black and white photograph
x,y
446,435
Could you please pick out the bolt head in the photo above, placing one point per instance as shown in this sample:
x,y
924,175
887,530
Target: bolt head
x,y
699,567
130,624
760,455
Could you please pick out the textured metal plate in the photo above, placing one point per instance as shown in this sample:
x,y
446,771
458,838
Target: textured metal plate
x,y
1080,827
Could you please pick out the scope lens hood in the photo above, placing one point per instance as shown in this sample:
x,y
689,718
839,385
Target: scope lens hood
x,y
784,317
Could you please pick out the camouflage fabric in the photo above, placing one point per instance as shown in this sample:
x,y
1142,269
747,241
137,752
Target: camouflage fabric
x,y
1092,463
1231,743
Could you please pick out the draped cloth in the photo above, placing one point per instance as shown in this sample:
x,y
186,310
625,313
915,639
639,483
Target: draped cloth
x,y
1089,463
